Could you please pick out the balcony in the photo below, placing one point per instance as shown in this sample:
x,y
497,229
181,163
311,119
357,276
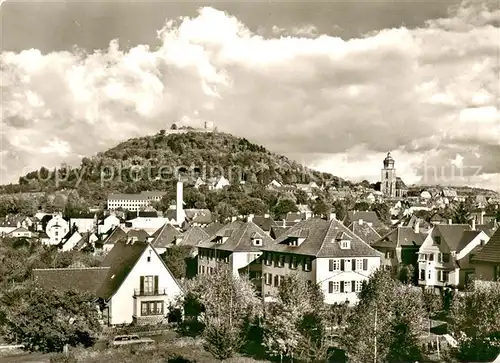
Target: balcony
x,y
156,292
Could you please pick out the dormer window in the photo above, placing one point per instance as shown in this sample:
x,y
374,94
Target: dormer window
x,y
345,244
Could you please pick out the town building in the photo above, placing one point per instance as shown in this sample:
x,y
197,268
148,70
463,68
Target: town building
x,y
391,185
56,229
236,246
324,252
443,252
133,285
84,222
133,202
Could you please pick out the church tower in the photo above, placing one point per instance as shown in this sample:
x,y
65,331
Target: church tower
x,y
388,180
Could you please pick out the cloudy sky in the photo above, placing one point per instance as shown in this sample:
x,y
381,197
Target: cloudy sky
x,y
333,84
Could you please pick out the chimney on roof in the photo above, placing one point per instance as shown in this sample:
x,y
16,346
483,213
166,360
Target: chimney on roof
x,y
417,226
473,224
284,223
332,217
360,222
250,217
450,221
179,209
481,220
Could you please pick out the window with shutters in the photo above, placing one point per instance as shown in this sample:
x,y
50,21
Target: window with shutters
x,y
422,274
342,288
293,263
268,259
334,265
148,285
336,286
359,286
280,261
268,279
359,264
307,264
276,280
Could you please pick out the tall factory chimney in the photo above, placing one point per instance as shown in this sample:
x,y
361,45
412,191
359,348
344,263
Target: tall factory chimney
x,y
180,216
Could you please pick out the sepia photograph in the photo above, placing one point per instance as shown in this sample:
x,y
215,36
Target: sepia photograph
x,y
279,181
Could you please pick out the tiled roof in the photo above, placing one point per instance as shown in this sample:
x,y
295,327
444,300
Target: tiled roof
x,y
115,236
400,184
83,216
277,231
321,240
467,238
201,216
140,234
238,234
79,279
20,230
212,228
295,217
165,236
401,236
488,228
265,223
490,251
452,233
366,216
120,261
193,236
366,232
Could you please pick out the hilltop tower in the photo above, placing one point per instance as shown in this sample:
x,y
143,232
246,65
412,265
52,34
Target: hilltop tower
x,y
388,180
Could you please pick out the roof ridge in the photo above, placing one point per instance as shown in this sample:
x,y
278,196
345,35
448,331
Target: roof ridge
x,y
71,268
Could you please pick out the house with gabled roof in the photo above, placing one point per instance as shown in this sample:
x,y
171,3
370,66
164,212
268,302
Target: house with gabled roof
x,y
22,232
443,251
324,252
132,285
486,260
193,237
400,246
108,223
365,231
236,246
116,235
265,222
369,217
165,237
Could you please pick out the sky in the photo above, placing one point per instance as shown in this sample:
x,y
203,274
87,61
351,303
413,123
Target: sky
x,y
334,85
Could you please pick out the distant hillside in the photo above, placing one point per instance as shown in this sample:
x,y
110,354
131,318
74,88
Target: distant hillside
x,y
151,163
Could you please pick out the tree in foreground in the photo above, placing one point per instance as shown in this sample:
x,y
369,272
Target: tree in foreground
x,y
387,322
295,325
227,306
47,320
476,321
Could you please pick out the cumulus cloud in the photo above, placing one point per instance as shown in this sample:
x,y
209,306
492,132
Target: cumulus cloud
x,y
428,94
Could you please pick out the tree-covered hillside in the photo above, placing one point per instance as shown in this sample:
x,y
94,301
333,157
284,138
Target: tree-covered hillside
x,y
155,162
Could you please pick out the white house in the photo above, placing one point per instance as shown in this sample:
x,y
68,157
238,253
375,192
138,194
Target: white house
x,y
132,285
139,286
108,223
21,232
324,252
149,224
56,229
221,183
443,258
84,223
